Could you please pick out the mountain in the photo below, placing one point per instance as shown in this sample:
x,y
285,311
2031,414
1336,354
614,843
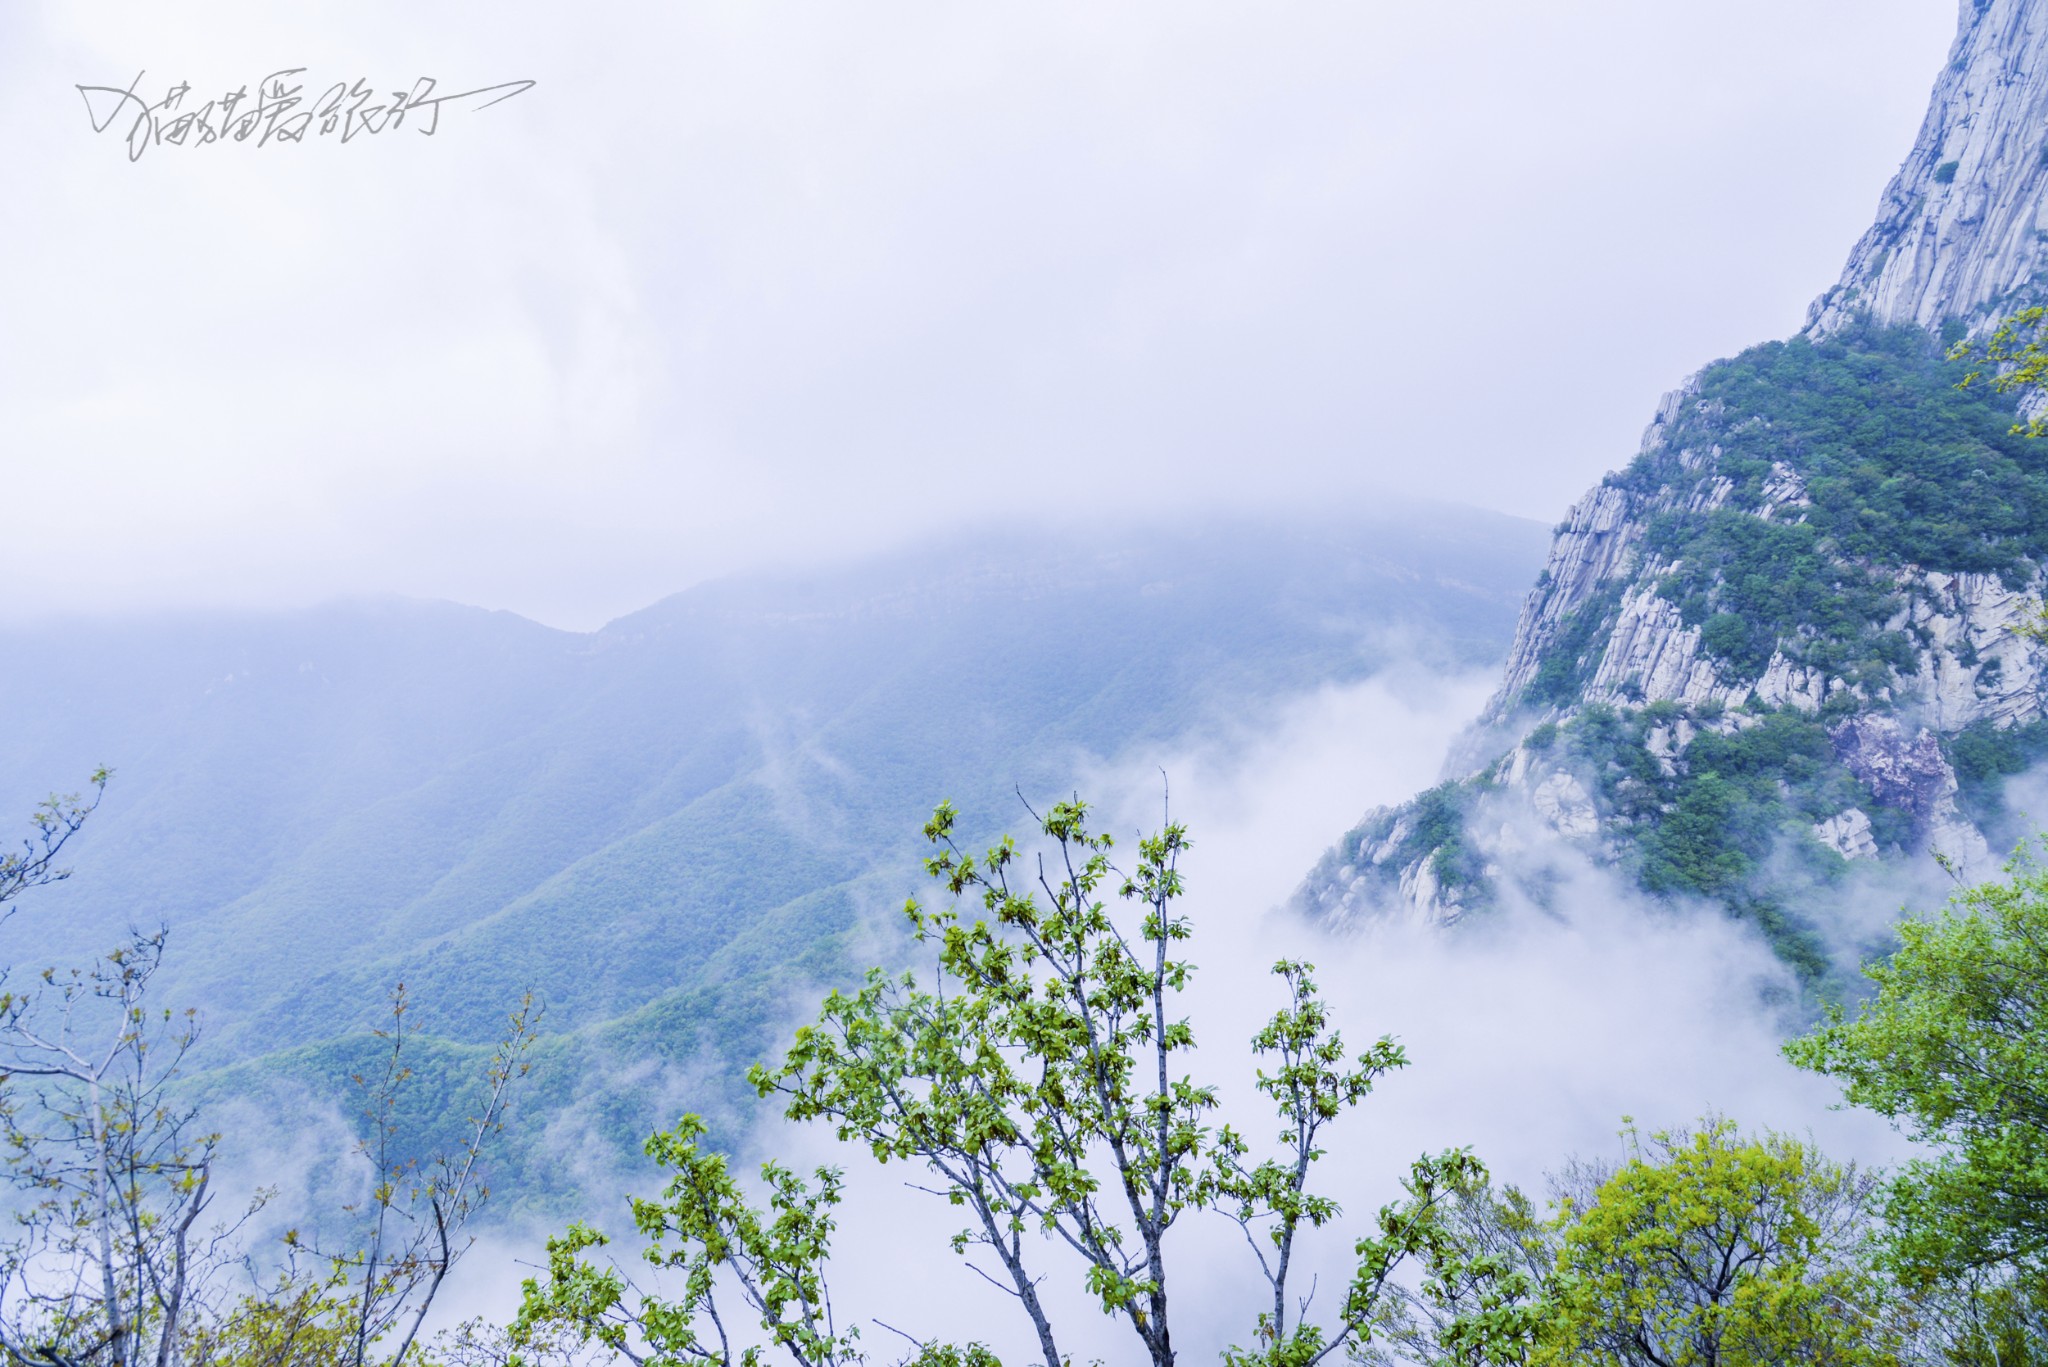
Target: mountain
x,y
1959,231
665,825
1771,662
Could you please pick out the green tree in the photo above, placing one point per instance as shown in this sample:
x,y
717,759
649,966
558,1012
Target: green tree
x,y
117,1258
703,1229
53,823
1036,1070
1487,1263
1315,1082
2014,358
1703,1248
1046,1037
1953,1048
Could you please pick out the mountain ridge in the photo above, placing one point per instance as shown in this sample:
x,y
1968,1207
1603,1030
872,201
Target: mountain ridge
x,y
669,824
1815,562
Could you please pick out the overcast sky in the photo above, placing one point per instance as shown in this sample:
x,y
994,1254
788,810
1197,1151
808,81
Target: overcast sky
x,y
746,283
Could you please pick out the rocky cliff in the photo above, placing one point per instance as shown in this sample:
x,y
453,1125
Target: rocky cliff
x,y
1960,231
1779,646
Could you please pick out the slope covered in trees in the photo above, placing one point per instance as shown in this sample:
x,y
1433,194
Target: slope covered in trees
x,y
659,825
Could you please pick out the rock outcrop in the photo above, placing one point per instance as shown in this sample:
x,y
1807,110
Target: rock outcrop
x,y
1786,637
1961,231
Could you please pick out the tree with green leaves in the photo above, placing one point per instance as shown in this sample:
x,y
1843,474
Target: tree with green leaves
x,y
1046,1039
55,820
1952,1047
1314,1082
703,1232
1486,1264
1037,1071
117,1256
1705,1248
2014,358
1701,1248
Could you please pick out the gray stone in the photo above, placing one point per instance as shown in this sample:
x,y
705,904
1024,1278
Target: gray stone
x,y
1964,247
1911,775
1847,833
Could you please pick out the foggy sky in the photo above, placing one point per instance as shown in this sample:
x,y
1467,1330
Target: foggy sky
x,y
744,284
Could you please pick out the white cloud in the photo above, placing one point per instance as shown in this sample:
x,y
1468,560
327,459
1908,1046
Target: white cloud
x,y
737,284
1531,1036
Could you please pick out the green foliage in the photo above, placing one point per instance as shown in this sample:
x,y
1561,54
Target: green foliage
x,y
1984,755
1571,659
1946,172
1035,1071
700,1228
1733,801
1312,1085
1902,467
1487,1265
1953,1047
2018,360
1046,1041
293,1326
1440,836
1434,831
1899,467
946,1355
1975,1320
1727,636
1704,1248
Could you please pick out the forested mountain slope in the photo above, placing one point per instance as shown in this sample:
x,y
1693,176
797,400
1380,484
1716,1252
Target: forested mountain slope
x,y
655,825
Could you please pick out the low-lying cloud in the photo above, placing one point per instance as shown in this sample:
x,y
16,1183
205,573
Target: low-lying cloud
x,y
1531,1034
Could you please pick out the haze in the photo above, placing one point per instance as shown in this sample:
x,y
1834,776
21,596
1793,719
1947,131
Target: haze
x,y
736,285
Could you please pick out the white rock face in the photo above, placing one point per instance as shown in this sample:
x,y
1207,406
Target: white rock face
x,y
1911,775
1955,839
1421,891
1651,652
1973,665
1785,684
1588,551
1977,666
1565,806
1848,834
1784,495
1958,230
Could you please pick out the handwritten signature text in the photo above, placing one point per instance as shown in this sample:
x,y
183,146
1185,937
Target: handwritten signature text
x,y
281,110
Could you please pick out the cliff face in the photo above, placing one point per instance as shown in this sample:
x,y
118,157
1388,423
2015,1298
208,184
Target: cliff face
x,y
1959,232
1780,644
